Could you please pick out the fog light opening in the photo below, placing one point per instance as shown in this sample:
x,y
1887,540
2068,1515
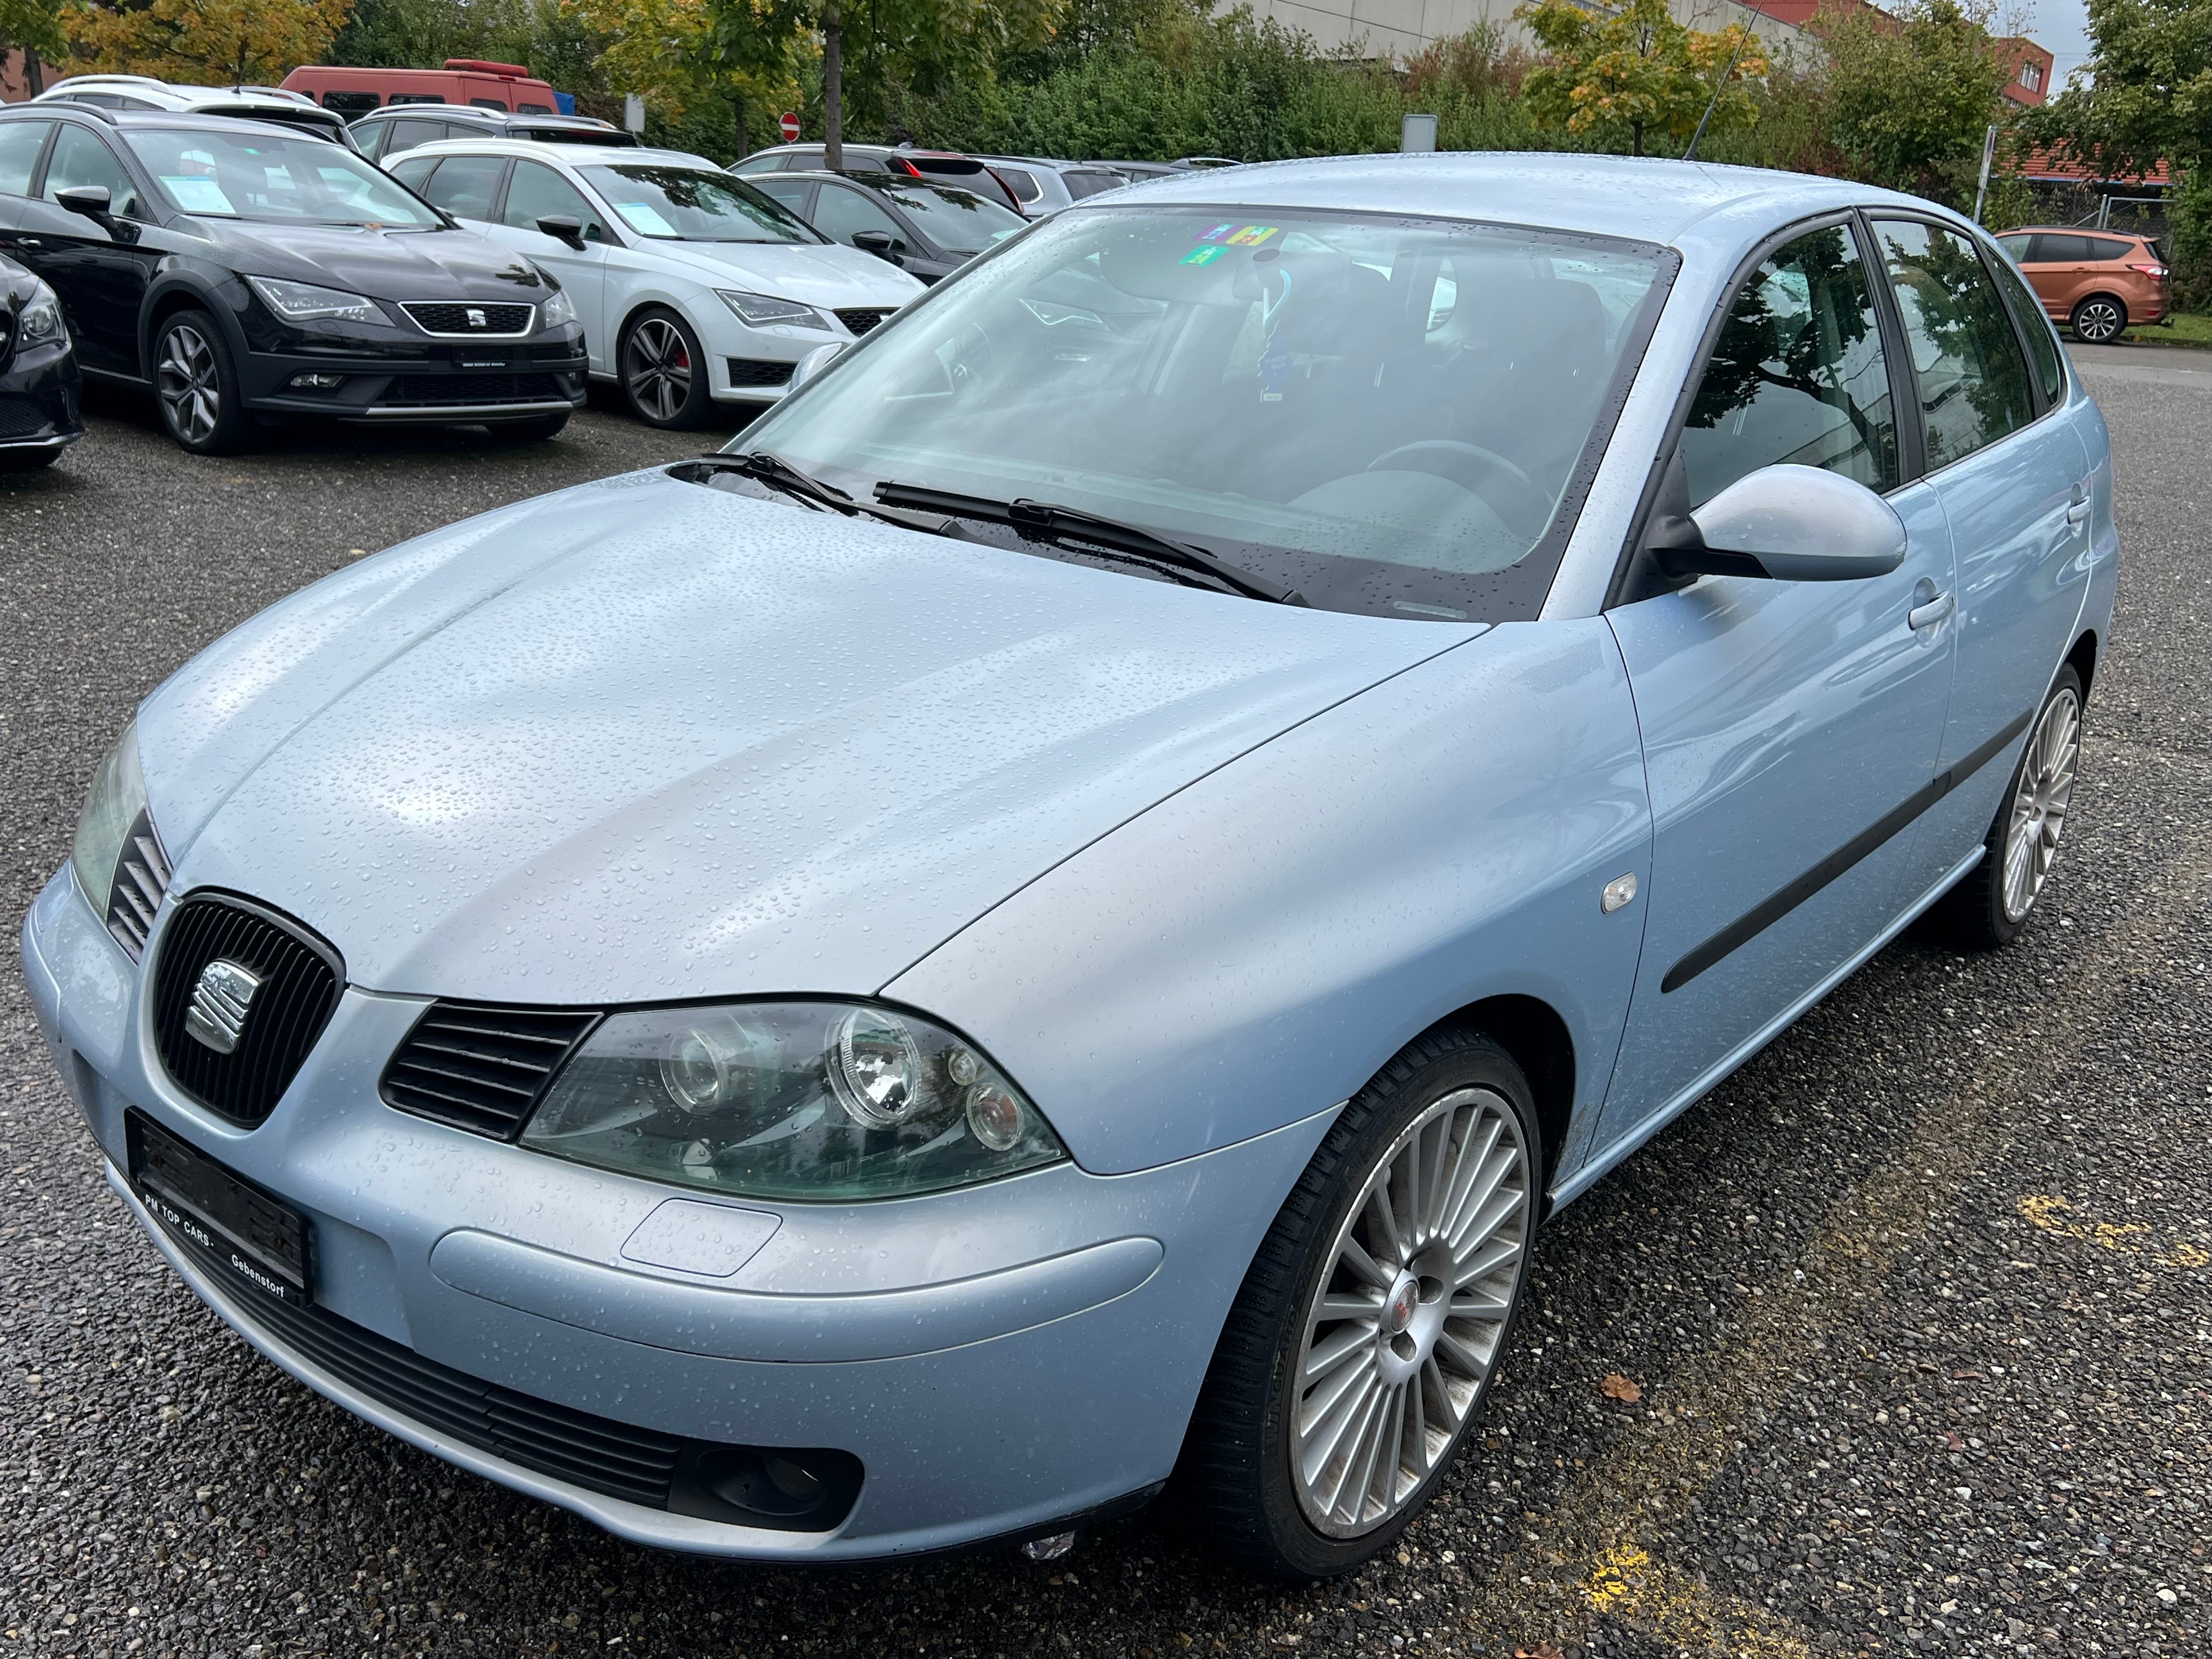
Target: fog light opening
x,y
316,381
1050,1547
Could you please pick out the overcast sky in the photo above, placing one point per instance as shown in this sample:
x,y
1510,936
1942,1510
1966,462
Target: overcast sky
x,y
2058,25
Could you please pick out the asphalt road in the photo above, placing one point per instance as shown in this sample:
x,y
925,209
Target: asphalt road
x,y
1916,1305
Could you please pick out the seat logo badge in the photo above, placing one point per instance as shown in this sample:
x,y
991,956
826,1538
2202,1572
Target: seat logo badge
x,y
477,318
220,1002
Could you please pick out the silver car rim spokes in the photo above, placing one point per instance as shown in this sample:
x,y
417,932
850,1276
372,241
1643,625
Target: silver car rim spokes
x,y
190,388
2039,805
657,369
2100,321
1405,1325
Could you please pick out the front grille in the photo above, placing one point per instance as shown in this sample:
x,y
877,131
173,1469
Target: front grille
x,y
793,1490
142,876
431,390
7,335
20,418
862,318
758,371
478,1069
299,976
456,317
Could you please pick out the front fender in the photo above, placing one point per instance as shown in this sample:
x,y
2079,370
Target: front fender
x,y
211,288
1252,950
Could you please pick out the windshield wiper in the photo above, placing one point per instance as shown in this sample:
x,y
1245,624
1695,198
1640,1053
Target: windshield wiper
x,y
1046,521
780,475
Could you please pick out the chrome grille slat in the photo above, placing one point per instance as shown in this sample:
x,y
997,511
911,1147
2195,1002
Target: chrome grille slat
x,y
479,1068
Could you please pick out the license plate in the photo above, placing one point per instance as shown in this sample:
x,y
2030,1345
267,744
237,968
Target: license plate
x,y
224,1219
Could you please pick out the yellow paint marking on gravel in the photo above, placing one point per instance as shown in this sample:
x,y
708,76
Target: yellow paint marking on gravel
x,y
2047,1211
1715,1404
1630,1586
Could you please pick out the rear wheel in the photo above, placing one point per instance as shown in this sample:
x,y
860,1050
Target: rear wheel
x,y
1988,908
196,384
2100,319
664,370
1367,1328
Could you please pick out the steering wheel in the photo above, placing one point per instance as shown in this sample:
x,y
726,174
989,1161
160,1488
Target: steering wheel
x,y
1504,488
967,357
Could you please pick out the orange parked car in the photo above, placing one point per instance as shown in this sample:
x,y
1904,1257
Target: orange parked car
x,y
2096,281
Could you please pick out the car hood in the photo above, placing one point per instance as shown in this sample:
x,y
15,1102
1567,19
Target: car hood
x,y
829,275
384,264
650,739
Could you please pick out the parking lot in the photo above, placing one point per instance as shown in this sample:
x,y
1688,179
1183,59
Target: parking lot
x,y
1901,1342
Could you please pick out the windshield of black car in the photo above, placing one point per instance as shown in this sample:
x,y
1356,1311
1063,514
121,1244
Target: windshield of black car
x,y
691,204
958,220
261,178
1388,414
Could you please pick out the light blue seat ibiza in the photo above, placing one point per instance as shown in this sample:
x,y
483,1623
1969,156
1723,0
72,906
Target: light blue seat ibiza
x,y
1049,924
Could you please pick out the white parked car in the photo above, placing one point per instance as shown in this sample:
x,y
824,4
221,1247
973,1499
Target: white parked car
x,y
144,92
694,287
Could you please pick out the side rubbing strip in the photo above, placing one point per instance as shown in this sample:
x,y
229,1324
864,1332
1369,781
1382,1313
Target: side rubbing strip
x,y
1753,922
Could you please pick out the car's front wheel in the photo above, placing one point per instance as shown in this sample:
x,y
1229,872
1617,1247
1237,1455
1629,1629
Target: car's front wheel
x,y
664,370
2100,319
1989,907
196,384
1364,1339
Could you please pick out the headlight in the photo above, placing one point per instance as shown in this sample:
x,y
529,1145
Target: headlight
x,y
118,856
805,1100
302,302
555,310
759,309
40,318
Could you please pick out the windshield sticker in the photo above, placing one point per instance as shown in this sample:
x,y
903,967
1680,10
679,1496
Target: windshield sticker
x,y
1219,231
196,195
1253,236
645,219
1202,255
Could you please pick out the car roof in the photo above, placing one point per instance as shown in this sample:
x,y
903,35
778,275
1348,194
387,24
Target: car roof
x,y
186,96
576,155
1644,199
2074,230
876,178
440,111
179,119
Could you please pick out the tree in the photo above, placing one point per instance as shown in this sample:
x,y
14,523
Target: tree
x,y
33,25
2145,96
1637,73
225,42
1911,93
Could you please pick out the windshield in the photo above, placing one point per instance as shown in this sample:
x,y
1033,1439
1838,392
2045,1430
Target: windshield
x,y
958,221
689,204
1386,414
273,180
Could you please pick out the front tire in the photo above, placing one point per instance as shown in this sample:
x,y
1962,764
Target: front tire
x,y
196,382
1988,908
2099,320
664,372
1362,1344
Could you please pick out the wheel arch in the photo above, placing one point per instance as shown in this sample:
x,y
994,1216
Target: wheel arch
x,y
182,294
1542,1045
2083,660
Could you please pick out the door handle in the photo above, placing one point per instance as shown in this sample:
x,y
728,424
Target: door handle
x,y
1928,615
29,241
2077,510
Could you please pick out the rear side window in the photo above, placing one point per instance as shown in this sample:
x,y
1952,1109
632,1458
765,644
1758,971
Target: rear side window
x,y
20,143
2061,250
1023,184
1080,184
1966,359
792,193
465,186
1797,375
2103,247
406,135
2042,349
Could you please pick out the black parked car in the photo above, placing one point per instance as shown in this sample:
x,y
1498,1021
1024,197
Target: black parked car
x,y
927,229
397,127
38,374
246,274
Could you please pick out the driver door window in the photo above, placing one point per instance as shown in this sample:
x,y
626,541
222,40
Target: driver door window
x,y
537,192
1797,375
80,159
842,214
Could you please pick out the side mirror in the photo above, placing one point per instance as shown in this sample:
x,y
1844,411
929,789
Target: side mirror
x,y
881,243
90,200
1797,524
815,362
564,227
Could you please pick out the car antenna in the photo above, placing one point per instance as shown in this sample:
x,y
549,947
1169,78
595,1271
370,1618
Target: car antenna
x,y
1691,153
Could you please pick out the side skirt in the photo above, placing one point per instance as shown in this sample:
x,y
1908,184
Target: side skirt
x,y
1598,1166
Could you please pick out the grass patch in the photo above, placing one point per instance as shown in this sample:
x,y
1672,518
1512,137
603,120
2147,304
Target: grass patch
x,y
2189,328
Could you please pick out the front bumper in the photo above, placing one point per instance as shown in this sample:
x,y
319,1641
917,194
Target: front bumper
x,y
1000,1359
39,391
475,384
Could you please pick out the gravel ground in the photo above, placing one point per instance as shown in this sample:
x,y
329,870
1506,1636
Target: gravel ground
x,y
1916,1305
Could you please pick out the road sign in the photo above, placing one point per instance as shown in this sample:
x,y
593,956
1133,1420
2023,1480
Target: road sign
x,y
789,125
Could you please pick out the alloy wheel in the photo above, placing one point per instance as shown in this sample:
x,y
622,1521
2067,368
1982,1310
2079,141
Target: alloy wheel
x,y
2097,321
189,389
2038,804
1405,1325
657,368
